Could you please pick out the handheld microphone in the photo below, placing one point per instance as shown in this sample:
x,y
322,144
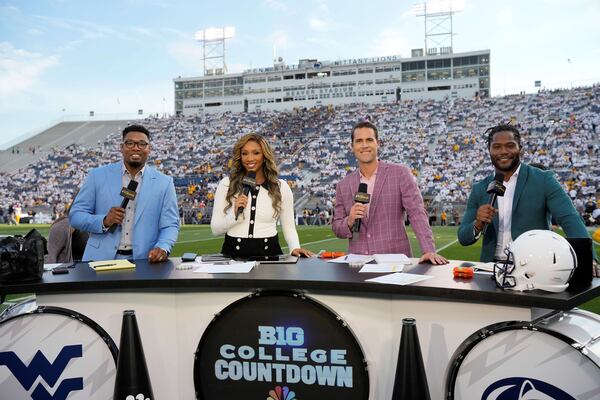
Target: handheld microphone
x,y
248,182
360,197
128,193
495,188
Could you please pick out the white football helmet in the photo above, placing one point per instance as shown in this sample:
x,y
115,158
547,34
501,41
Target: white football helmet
x,y
538,259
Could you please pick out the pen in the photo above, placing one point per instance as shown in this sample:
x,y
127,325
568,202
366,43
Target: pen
x,y
345,258
104,265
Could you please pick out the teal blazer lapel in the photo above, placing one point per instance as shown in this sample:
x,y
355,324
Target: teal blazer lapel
x,y
521,181
495,219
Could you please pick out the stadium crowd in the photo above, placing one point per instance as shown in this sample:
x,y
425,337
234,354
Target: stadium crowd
x,y
441,141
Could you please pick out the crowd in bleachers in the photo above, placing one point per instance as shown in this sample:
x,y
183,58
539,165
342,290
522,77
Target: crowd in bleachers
x,y
442,142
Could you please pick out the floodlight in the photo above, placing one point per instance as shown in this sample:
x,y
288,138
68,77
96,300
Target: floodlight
x,y
209,34
213,48
439,6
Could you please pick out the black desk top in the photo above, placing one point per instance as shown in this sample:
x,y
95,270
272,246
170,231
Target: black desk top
x,y
307,274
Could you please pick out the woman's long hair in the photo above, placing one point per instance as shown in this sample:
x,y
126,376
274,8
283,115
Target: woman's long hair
x,y
269,167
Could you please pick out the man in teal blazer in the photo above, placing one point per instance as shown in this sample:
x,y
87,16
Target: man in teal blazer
x,y
147,228
532,196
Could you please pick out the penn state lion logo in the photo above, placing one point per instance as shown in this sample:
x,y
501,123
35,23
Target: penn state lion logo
x,y
519,388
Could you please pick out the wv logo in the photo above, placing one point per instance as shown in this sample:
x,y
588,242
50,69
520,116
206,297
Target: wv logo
x,y
40,366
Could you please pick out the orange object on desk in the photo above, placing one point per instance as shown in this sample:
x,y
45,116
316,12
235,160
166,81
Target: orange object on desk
x,y
463,272
332,254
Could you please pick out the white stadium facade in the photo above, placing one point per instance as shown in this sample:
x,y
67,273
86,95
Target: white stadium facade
x,y
320,83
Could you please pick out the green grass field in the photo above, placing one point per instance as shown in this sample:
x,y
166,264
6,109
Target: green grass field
x,y
198,239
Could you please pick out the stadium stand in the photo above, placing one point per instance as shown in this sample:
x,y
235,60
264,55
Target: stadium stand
x,y
60,135
442,141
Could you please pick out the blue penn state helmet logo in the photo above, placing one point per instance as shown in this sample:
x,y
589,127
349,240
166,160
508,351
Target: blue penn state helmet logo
x,y
518,388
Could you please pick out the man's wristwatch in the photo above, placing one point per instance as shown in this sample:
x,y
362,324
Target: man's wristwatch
x,y
476,233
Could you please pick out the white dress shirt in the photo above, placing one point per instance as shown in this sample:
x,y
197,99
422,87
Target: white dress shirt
x,y
126,242
505,204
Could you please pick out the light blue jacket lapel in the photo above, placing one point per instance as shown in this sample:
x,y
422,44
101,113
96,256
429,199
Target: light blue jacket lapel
x,y
114,181
141,199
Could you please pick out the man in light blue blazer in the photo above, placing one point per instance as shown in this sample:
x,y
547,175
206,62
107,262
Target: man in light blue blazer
x,y
148,225
531,197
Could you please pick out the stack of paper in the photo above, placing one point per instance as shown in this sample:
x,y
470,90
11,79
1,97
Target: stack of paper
x,y
50,267
353,259
392,259
379,268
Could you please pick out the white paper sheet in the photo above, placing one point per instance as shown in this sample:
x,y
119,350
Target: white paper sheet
x,y
388,267
237,268
352,258
49,267
392,258
399,278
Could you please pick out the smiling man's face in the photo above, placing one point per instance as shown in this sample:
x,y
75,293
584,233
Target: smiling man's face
x,y
365,145
505,151
135,149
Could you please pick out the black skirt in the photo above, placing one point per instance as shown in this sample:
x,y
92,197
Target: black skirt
x,y
248,247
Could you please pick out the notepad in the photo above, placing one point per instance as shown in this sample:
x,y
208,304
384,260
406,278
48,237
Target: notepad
x,y
111,265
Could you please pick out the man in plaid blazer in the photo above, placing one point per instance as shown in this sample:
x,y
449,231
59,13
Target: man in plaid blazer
x,y
393,191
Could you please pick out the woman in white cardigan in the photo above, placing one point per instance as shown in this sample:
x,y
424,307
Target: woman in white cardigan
x,y
254,232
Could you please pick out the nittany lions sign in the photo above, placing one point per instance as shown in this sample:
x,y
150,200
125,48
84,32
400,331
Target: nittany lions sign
x,y
55,354
279,346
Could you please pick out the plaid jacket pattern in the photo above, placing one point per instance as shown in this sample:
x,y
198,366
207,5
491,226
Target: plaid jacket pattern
x,y
395,194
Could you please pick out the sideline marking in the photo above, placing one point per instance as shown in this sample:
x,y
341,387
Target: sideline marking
x,y
446,246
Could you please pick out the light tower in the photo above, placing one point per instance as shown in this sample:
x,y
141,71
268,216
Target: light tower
x,y
437,15
213,49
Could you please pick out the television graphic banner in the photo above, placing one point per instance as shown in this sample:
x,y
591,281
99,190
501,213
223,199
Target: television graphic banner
x,y
279,346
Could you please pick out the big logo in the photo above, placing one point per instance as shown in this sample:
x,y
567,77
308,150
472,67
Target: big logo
x,y
283,345
518,388
49,372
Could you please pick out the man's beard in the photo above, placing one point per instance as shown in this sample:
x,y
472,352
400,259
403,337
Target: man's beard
x,y
513,165
135,164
